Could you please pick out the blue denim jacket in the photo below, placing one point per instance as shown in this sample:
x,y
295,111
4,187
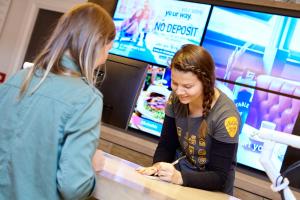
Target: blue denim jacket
x,y
47,139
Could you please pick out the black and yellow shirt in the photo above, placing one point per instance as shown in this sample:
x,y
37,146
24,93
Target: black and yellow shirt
x,y
214,155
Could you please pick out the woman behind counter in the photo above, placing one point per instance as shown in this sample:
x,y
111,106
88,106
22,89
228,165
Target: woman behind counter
x,y
50,114
201,127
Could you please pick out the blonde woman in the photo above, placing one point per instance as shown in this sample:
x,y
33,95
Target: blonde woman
x,y
50,113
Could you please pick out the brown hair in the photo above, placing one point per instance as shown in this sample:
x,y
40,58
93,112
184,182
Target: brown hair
x,y
83,32
195,59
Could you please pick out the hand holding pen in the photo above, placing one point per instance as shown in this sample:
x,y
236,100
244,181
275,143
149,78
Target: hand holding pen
x,y
176,161
165,171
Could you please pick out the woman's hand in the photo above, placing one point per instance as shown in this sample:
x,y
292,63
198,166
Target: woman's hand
x,y
148,170
98,161
167,172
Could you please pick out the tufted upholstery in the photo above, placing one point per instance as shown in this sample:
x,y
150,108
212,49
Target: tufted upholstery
x,y
275,108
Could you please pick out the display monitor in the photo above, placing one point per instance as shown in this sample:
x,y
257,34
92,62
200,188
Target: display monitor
x,y
257,59
148,114
153,30
256,44
123,78
259,108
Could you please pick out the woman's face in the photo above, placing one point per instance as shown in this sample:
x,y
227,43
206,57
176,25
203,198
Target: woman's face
x,y
103,54
187,86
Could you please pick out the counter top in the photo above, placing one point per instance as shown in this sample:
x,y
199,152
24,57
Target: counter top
x,y
119,180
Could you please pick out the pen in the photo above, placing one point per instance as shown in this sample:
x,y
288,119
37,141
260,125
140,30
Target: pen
x,y
176,161
173,163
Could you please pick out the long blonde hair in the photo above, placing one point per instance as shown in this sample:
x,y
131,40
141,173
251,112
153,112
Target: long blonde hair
x,y
83,32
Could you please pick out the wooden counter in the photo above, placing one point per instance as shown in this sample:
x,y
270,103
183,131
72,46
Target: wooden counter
x,y
119,180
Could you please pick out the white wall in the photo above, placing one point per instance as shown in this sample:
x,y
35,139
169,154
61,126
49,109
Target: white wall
x,y
18,26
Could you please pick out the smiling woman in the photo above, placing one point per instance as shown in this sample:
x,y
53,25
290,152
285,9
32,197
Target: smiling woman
x,y
201,126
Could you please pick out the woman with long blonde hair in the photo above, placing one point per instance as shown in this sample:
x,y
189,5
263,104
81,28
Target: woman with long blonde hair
x,y
51,113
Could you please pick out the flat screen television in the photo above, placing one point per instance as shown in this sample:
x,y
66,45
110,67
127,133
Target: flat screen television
x,y
256,59
123,78
148,114
153,30
257,43
267,110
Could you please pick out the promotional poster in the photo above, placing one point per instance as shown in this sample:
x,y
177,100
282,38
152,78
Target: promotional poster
x,y
153,30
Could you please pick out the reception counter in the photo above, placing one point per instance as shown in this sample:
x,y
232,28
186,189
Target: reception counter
x,y
119,180
138,149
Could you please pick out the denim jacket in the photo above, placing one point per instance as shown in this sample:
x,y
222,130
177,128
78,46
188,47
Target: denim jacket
x,y
47,139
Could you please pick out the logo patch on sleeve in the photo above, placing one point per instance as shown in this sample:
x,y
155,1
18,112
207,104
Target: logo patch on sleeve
x,y
231,125
169,101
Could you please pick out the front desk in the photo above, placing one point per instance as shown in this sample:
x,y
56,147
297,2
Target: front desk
x,y
119,180
140,150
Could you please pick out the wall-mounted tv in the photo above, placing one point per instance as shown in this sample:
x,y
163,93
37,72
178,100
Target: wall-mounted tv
x,y
256,58
257,43
153,30
148,114
264,109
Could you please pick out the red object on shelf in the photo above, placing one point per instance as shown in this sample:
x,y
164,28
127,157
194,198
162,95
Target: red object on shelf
x,y
2,77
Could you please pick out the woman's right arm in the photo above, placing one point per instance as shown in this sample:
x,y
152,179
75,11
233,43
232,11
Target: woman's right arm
x,y
168,143
166,149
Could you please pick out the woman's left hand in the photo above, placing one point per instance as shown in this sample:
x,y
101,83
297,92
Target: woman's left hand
x,y
167,172
98,161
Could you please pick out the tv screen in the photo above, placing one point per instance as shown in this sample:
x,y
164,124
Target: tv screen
x,y
257,44
153,30
123,78
148,115
265,110
256,58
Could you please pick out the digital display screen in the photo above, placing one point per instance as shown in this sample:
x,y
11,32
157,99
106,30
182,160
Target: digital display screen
x,y
258,51
257,44
263,110
149,112
153,30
